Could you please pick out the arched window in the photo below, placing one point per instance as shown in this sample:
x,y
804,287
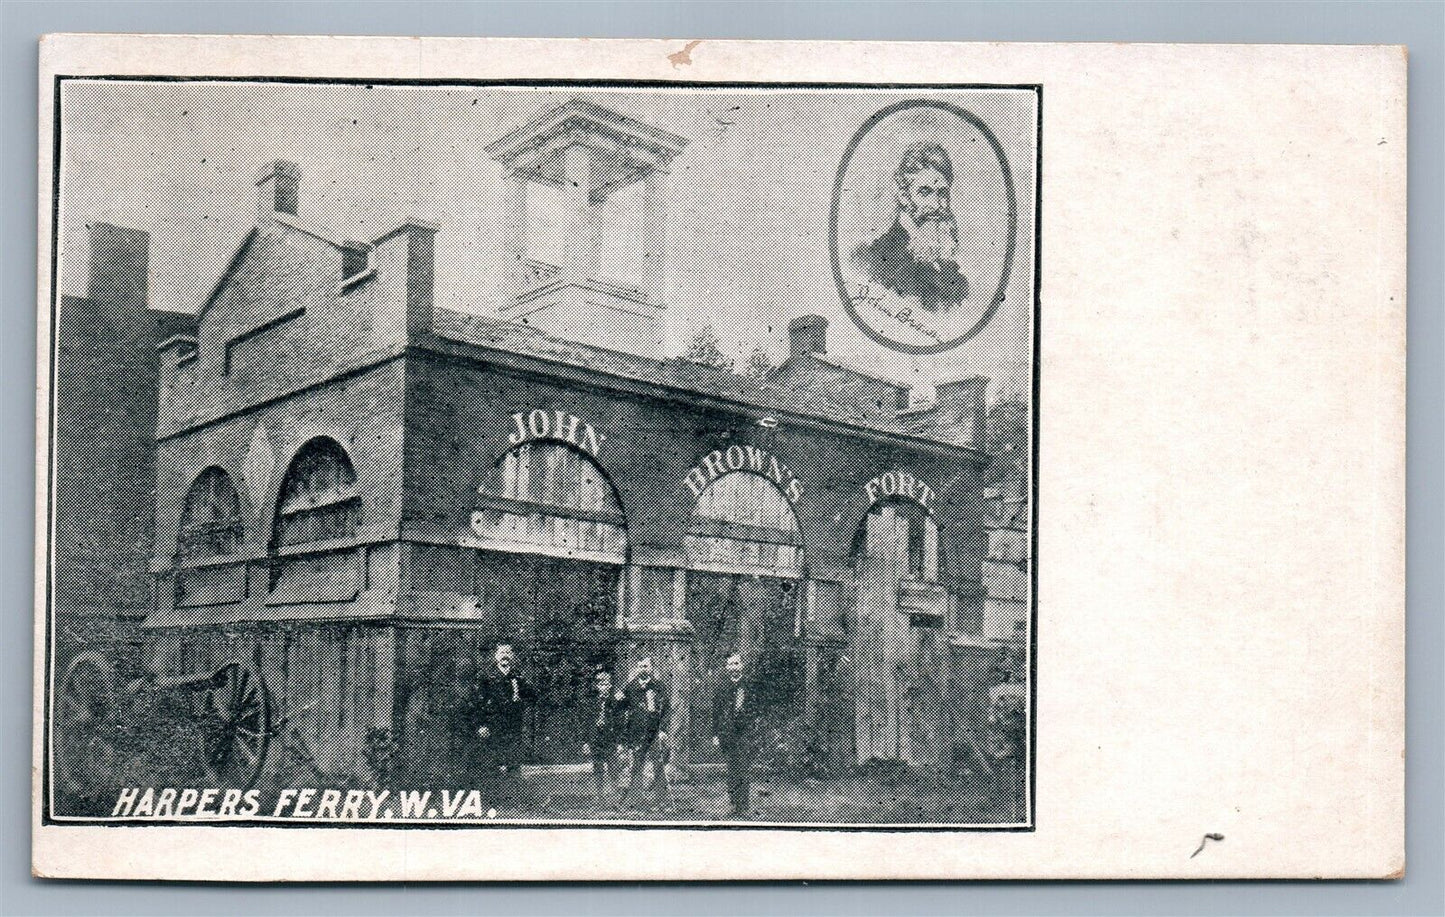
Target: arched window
x,y
550,498
318,514
210,532
903,533
742,523
210,519
318,496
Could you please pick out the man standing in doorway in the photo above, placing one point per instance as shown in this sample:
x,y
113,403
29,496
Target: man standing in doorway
x,y
734,727
502,700
648,705
609,707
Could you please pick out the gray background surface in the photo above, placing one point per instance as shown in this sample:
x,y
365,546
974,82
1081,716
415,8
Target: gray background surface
x,y
1420,25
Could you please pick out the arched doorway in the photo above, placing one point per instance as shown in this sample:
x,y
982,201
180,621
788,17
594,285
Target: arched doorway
x,y
900,636
745,569
553,541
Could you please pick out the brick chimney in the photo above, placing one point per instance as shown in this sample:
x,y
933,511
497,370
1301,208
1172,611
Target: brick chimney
x,y
409,252
807,334
278,187
119,263
960,406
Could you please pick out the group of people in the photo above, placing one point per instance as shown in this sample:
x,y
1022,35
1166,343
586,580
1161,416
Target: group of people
x,y
623,724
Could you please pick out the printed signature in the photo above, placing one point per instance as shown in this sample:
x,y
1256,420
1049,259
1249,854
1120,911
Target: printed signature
x,y
865,296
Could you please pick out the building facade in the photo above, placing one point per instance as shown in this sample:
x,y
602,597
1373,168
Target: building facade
x,y
105,384
362,494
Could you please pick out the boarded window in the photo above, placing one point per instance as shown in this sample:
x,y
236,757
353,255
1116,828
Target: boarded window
x,y
210,529
742,523
336,576
319,504
210,585
318,498
211,518
551,499
901,532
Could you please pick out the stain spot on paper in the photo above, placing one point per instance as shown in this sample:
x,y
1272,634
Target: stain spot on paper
x,y
684,57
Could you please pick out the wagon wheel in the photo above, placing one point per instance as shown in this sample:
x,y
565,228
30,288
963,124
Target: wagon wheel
x,y
89,737
235,726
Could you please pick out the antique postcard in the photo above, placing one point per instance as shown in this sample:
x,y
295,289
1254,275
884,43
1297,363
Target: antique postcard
x,y
541,459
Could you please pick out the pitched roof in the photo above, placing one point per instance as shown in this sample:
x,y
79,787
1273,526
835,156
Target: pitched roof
x,y
677,374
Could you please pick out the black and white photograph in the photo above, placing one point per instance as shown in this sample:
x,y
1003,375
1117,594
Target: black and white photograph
x,y
542,453
692,460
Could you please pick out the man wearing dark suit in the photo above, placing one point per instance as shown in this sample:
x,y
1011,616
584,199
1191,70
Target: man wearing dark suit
x,y
502,699
606,718
648,706
734,731
916,257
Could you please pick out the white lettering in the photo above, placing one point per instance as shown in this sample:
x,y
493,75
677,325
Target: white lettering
x,y
229,801
451,802
713,461
376,798
591,439
558,424
189,797
253,803
472,807
696,481
126,801
564,426
351,808
165,802
326,808
147,804
775,470
742,458
282,801
899,484
303,803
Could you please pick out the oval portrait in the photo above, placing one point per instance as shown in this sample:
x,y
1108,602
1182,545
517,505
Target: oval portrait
x,y
924,226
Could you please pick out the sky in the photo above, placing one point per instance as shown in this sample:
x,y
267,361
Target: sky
x,y
748,198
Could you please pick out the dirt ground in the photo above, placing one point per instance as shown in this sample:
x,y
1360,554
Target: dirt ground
x,y
859,797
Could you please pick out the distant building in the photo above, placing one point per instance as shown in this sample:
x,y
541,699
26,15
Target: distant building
x,y
105,398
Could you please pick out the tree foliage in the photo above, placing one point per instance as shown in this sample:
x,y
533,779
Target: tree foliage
x,y
703,348
759,364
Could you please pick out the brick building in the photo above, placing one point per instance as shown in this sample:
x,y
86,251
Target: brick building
x,y
105,388
361,492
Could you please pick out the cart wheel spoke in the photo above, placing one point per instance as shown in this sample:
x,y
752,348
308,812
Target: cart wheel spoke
x,y
235,744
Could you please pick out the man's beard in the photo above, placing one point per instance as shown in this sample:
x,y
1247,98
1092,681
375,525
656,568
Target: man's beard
x,y
932,239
